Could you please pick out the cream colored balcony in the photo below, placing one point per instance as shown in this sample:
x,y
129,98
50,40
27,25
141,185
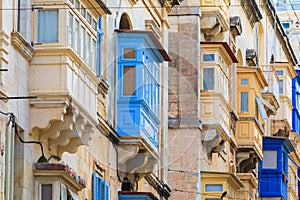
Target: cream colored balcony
x,y
216,60
215,17
62,74
282,122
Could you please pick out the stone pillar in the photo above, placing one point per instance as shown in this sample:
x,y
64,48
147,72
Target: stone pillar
x,y
184,144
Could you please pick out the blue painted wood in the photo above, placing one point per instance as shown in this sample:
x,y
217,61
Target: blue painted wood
x,y
274,182
296,103
139,114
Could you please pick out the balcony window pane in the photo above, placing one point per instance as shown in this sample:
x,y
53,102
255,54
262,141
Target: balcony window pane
x,y
76,35
269,160
129,53
213,187
279,72
48,26
70,31
244,102
128,81
208,79
82,11
77,4
280,86
244,82
46,192
208,57
89,18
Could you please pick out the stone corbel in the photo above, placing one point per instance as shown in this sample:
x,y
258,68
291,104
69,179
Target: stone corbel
x,y
246,161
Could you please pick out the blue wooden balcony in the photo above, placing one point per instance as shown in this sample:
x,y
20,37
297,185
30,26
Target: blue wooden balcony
x,y
138,85
273,169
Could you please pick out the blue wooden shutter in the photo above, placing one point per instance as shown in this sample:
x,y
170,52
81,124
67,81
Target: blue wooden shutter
x,y
99,48
96,186
106,191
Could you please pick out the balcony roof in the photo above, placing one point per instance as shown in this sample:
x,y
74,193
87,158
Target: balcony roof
x,y
137,194
103,7
155,41
225,46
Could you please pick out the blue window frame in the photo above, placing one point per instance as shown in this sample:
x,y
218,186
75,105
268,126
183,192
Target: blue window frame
x,y
100,188
208,79
48,26
213,187
244,102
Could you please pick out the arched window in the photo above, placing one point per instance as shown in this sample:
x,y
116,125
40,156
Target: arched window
x,y
125,22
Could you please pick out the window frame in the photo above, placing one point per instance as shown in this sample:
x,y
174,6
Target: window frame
x,y
41,39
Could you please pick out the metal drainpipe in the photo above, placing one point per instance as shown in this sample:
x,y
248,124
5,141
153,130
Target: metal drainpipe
x,y
7,163
12,159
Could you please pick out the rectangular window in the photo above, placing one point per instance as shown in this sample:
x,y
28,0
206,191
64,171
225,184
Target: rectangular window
x,y
94,25
46,192
208,57
22,18
244,102
89,18
129,53
213,188
94,54
286,25
208,79
279,72
70,31
244,82
269,160
280,86
77,5
76,35
81,41
82,11
129,80
48,26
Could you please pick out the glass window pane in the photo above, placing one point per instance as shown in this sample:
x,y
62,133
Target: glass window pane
x,y
269,159
244,82
82,11
46,192
89,18
213,187
129,80
76,35
70,31
244,102
48,26
279,72
77,4
129,53
208,57
208,79
280,86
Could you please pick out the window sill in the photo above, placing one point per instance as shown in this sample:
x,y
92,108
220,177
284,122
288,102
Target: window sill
x,y
22,46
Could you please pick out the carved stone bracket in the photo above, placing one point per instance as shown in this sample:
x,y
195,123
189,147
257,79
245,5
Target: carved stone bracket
x,y
61,128
246,161
135,160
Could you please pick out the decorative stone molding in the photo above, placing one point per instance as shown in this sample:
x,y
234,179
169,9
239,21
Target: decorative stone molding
x,y
4,42
136,159
161,188
252,11
61,127
22,46
152,26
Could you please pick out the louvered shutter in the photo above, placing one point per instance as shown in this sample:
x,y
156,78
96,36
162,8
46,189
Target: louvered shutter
x,y
96,186
99,48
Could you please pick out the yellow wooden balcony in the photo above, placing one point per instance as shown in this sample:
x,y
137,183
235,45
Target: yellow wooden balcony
x,y
215,184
